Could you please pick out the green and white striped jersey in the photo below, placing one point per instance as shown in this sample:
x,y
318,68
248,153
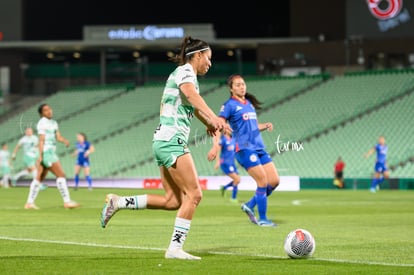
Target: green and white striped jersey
x,y
176,113
48,127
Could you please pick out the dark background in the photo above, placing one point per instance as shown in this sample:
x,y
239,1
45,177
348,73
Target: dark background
x,y
64,20
340,34
334,19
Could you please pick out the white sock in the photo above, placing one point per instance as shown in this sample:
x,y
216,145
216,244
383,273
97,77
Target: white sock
x,y
63,189
6,181
34,191
21,174
133,202
34,173
181,228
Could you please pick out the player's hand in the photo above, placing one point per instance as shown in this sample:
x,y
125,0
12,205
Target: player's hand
x,y
211,131
66,142
212,154
269,126
223,127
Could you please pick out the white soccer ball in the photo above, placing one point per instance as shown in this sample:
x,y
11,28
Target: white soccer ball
x,y
299,244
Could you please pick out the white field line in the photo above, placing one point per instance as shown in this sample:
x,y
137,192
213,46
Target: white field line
x,y
210,252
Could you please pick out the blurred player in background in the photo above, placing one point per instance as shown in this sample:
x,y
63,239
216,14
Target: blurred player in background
x,y
227,146
5,165
380,168
240,112
48,133
29,142
339,173
180,102
83,150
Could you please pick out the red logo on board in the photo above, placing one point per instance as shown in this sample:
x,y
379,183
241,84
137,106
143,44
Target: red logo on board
x,y
384,9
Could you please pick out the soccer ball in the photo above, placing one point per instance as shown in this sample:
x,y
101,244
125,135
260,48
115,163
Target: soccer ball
x,y
299,244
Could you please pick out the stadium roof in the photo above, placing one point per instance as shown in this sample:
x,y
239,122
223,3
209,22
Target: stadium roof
x,y
81,45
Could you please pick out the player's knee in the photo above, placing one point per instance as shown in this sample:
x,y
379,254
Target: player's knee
x,y
274,181
172,205
196,197
171,202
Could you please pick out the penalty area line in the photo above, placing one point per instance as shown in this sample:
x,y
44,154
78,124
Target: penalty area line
x,y
81,244
209,252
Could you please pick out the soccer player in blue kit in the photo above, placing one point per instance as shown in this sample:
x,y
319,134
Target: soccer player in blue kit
x,y
227,164
83,149
240,112
381,169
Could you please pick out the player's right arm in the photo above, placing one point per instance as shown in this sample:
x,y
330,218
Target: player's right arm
x,y
16,149
215,148
41,145
217,164
370,152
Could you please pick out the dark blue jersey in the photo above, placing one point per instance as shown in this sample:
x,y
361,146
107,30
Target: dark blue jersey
x,y
242,118
81,148
381,153
228,146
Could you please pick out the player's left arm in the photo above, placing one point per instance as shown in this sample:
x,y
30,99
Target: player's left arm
x,y
61,139
90,150
217,164
211,131
203,118
266,126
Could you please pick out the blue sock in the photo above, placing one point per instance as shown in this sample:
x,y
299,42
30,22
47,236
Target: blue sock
x,y
76,180
234,193
269,190
252,202
261,200
374,183
228,185
89,180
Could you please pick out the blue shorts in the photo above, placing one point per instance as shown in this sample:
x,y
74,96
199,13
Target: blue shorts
x,y
250,158
228,168
380,167
82,163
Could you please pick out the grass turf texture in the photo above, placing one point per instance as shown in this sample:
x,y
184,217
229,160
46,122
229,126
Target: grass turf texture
x,y
356,232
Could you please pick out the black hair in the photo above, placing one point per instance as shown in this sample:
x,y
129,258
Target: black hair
x,y
188,48
40,108
253,99
84,136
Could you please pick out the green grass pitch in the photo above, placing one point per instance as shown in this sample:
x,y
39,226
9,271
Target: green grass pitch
x,y
356,232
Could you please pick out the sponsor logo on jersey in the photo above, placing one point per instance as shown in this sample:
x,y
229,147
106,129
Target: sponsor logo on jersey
x,y
249,115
